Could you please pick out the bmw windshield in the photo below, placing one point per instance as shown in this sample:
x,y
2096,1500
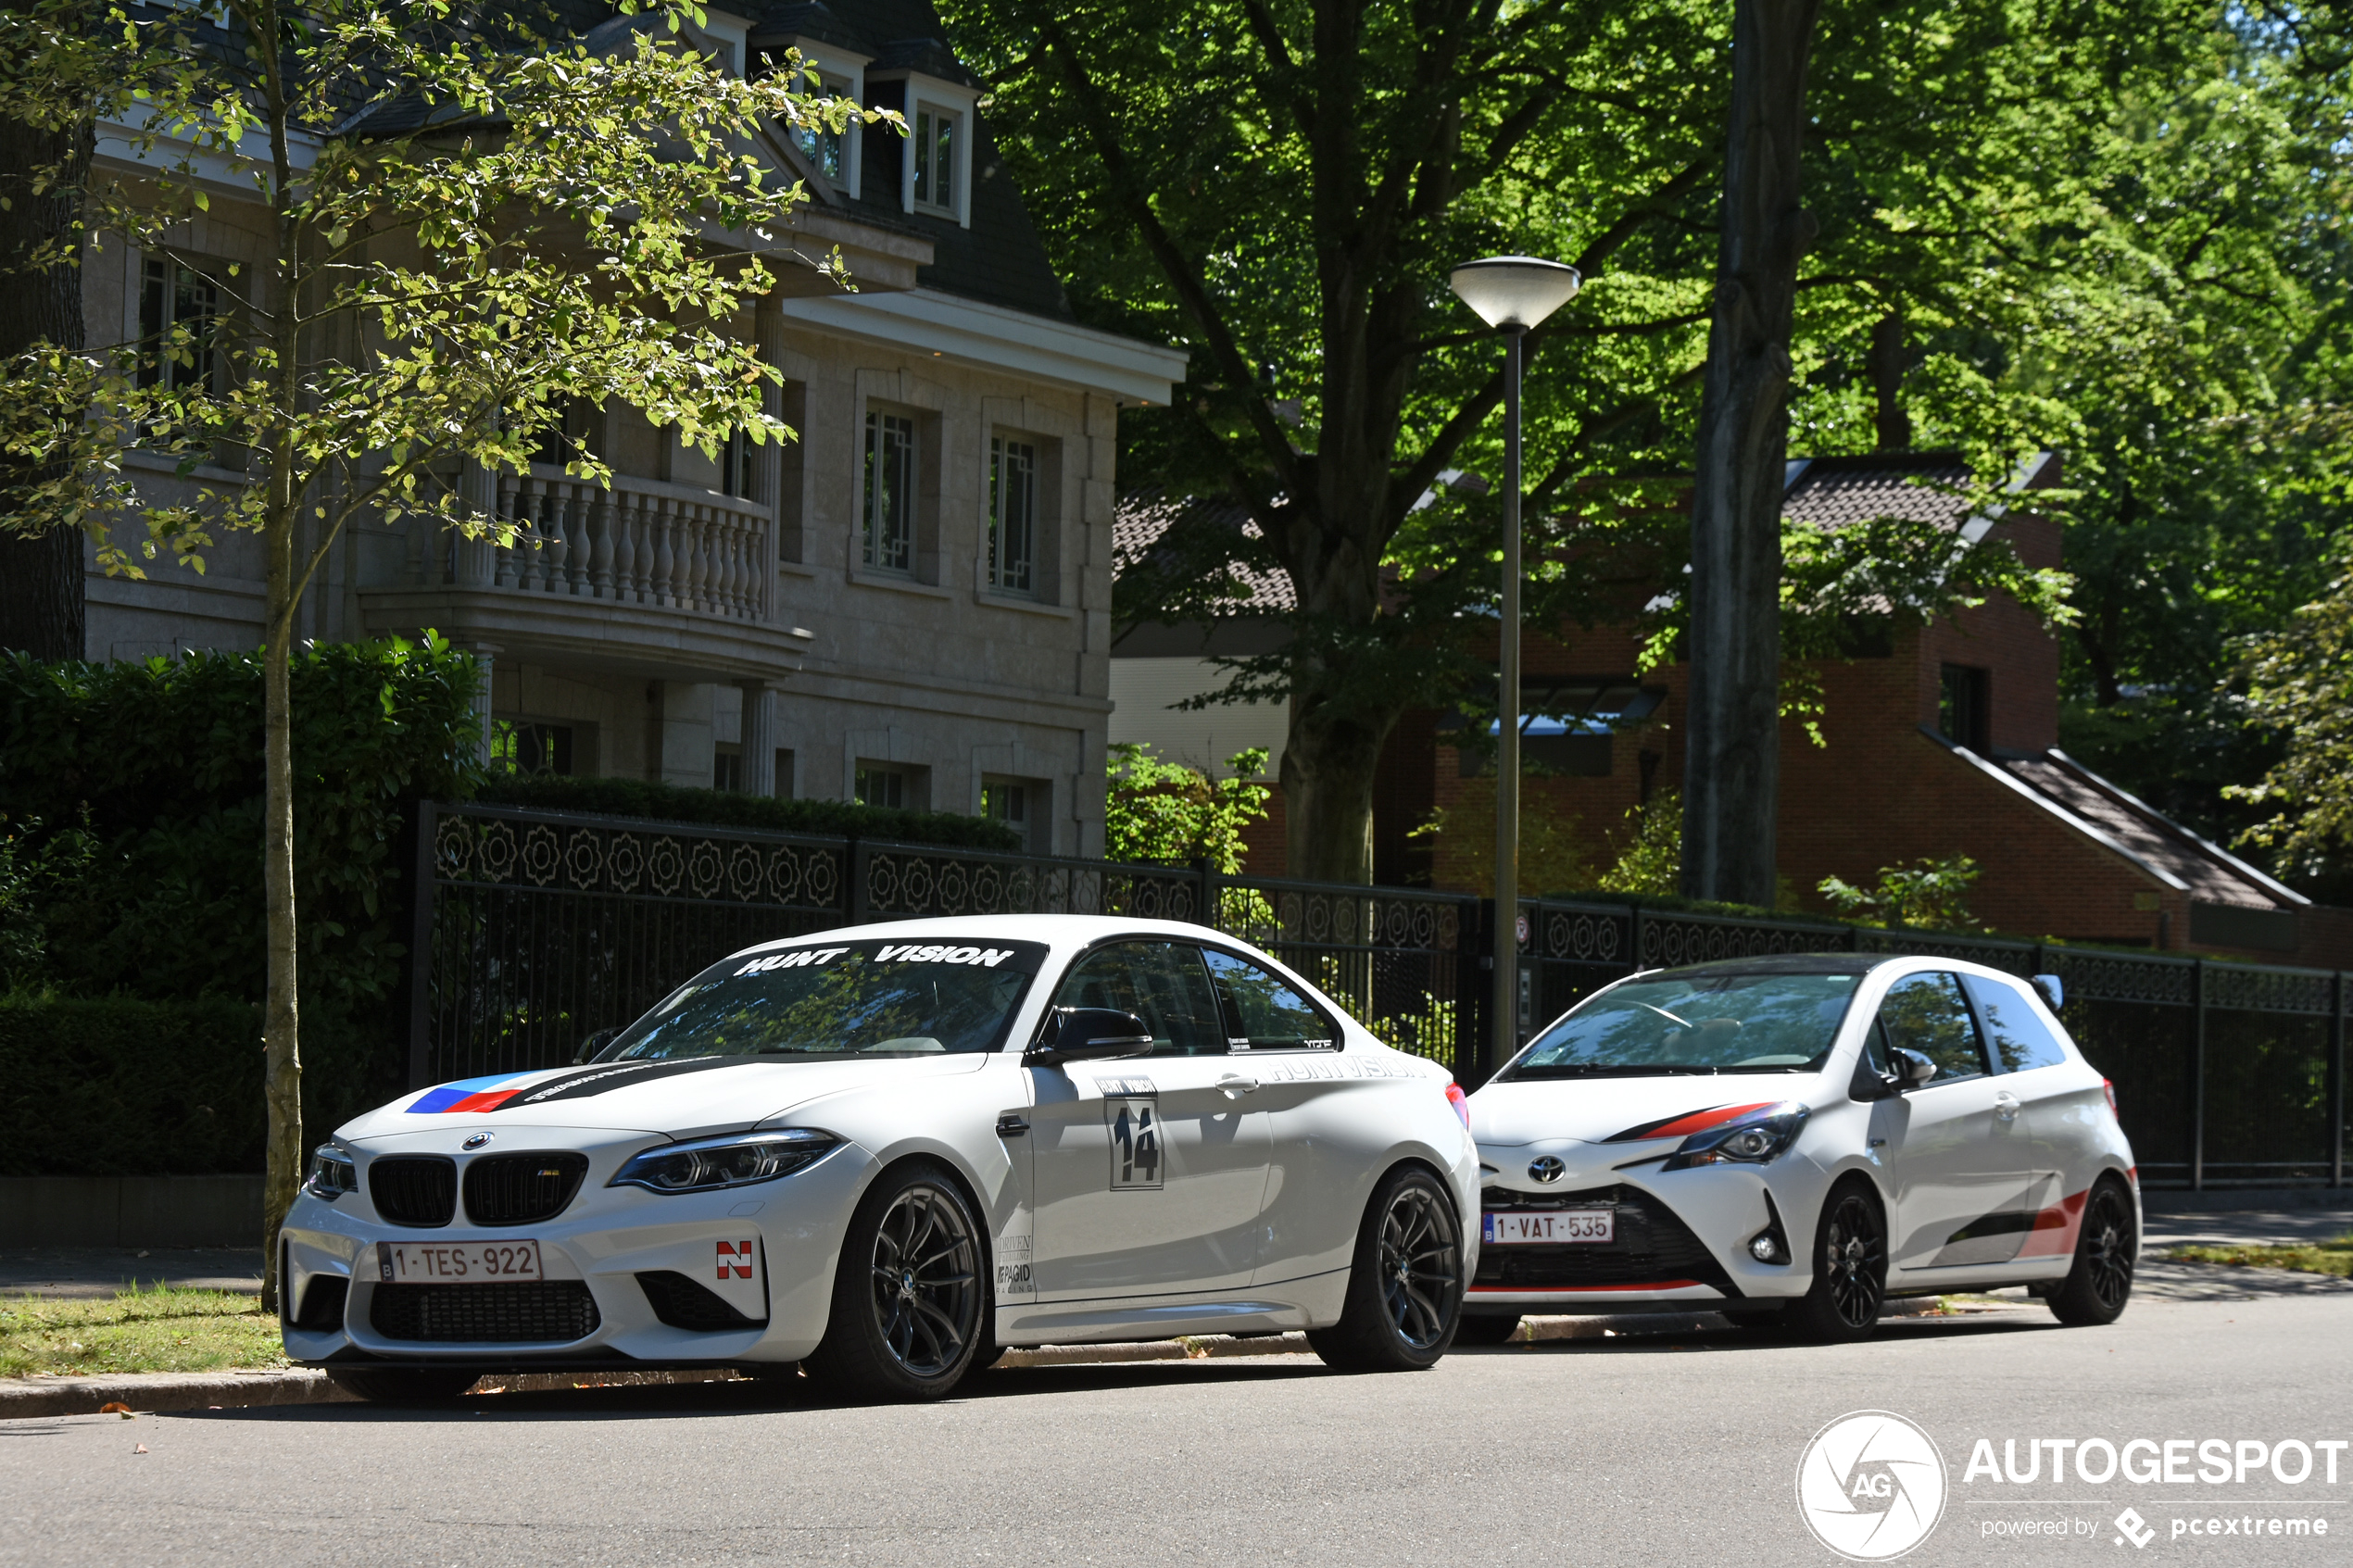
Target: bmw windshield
x,y
841,998
1705,1025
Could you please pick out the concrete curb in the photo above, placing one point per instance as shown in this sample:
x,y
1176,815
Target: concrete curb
x,y
144,1392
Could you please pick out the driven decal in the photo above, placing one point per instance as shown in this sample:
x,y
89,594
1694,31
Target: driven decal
x,y
1684,1125
510,1091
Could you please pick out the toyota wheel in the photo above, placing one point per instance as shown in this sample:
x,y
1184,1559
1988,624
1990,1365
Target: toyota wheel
x,y
2100,1284
1850,1271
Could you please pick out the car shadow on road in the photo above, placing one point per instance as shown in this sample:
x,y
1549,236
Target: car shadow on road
x,y
1652,1342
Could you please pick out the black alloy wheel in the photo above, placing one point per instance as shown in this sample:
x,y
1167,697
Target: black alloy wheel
x,y
1850,1272
907,1310
2099,1284
1404,1284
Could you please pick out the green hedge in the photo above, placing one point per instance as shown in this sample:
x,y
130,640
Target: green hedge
x,y
119,1087
632,797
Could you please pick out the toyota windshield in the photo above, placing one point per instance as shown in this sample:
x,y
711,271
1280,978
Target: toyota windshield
x,y
1705,1025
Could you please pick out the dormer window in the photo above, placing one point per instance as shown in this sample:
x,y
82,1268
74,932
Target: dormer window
x,y
829,71
939,145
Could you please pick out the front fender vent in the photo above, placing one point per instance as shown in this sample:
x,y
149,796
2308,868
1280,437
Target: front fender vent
x,y
682,1303
321,1304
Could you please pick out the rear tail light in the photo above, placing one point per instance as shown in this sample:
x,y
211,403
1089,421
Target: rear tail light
x,y
2109,1090
1461,1102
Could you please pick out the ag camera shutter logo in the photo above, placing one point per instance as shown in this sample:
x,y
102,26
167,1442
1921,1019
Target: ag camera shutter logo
x,y
1870,1485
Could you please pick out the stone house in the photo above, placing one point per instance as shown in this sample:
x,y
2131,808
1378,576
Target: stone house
x,y
909,605
1937,741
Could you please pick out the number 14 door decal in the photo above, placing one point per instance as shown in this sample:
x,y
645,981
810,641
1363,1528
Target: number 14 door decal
x,y
1134,1120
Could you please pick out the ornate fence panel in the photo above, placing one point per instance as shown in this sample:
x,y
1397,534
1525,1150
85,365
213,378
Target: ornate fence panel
x,y
545,927
542,928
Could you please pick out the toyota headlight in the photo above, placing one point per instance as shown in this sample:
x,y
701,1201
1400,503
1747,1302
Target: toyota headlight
x,y
331,1174
725,1162
1758,1139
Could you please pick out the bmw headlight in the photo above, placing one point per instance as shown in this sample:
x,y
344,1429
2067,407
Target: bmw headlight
x,y
731,1161
1758,1139
331,1174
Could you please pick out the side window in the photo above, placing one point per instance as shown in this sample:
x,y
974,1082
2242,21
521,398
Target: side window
x,y
1265,1013
1875,1055
1928,1014
2019,1041
1162,983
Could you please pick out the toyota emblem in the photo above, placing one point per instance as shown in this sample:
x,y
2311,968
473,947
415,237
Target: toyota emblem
x,y
477,1139
1547,1168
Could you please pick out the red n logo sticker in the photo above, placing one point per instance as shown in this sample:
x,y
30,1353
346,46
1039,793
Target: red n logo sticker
x,y
728,1250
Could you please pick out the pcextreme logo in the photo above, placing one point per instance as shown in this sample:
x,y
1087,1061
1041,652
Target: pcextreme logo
x,y
1870,1485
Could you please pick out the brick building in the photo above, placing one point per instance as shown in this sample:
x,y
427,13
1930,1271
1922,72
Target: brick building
x,y
1937,741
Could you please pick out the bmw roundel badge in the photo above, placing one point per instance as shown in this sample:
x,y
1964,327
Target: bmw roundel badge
x,y
1544,1168
476,1140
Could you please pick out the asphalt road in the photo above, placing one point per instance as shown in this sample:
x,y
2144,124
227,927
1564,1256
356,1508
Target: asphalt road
x,y
1638,1450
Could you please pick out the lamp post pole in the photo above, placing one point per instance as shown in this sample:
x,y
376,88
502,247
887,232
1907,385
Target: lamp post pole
x,y
1504,1037
1511,294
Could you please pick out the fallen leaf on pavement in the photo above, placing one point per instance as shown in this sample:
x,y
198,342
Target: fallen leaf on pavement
x,y
115,1407
140,1449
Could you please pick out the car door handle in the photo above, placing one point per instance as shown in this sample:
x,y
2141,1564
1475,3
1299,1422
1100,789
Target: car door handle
x,y
2005,1107
1011,1124
1234,1085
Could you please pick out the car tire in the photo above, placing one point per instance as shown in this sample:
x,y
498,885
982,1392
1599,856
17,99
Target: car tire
x,y
1404,1297
404,1386
908,1294
1486,1328
2100,1284
1850,1270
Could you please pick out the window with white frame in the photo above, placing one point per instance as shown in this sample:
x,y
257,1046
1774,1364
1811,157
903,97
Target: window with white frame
x,y
1013,516
889,509
937,133
180,319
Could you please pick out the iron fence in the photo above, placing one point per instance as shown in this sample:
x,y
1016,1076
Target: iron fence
x,y
542,928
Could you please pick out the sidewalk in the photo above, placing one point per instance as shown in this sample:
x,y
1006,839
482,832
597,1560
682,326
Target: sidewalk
x,y
89,1272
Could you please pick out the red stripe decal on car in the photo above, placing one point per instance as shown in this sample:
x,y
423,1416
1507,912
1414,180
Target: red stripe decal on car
x,y
1580,1289
2054,1228
1682,1126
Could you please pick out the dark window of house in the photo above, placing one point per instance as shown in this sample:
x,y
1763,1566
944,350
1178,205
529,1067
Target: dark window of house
x,y
179,327
524,747
881,786
890,493
1013,515
734,465
784,774
1963,706
728,768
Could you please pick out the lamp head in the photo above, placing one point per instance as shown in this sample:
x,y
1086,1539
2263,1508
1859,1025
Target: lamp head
x,y
1513,292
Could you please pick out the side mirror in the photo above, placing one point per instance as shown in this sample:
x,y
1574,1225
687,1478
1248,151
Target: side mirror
x,y
592,1045
2052,990
1912,1069
1089,1035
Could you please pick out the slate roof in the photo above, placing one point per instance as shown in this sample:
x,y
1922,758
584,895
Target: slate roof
x,y
2212,875
999,260
1912,486
1142,519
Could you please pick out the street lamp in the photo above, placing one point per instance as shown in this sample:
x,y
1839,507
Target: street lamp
x,y
1511,294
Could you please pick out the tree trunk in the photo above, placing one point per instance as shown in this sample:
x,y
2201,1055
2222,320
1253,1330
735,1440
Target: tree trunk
x,y
281,1084
1328,791
41,587
1731,734
1887,382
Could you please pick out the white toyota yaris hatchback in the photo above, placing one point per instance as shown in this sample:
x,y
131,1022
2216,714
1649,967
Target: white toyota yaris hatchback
x,y
886,1152
1792,1140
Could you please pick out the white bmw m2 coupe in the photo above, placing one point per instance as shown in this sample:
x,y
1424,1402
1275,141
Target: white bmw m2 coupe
x,y
1792,1140
886,1152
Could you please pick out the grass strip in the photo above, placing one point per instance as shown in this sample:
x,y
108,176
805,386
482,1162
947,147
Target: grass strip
x,y
157,1329
2316,1258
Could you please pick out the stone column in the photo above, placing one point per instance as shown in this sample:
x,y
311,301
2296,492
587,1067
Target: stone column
x,y
478,494
757,737
487,660
768,462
